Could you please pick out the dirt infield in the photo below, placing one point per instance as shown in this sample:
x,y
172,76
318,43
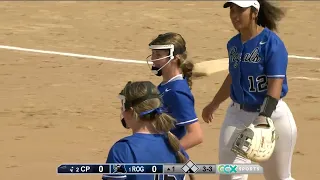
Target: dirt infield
x,y
58,109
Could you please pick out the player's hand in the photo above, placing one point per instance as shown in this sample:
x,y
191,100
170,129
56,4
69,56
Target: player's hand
x,y
207,112
261,121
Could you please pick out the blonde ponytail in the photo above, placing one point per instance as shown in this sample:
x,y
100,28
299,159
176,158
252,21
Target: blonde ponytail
x,y
187,71
164,123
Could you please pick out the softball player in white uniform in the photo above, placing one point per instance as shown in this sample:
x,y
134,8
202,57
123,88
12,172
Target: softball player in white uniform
x,y
256,83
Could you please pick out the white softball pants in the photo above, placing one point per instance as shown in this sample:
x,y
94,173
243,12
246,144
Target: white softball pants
x,y
278,167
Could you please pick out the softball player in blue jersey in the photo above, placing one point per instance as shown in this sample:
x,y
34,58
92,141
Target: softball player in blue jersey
x,y
169,57
257,84
151,141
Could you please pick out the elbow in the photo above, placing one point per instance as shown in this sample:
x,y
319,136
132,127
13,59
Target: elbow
x,y
191,140
198,137
194,135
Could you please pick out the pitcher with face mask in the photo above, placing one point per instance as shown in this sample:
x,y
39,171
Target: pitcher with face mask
x,y
169,60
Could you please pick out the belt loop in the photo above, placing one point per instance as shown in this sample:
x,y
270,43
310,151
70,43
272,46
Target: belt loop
x,y
235,105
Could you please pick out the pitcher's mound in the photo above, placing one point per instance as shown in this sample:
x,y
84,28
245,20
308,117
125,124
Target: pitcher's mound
x,y
207,68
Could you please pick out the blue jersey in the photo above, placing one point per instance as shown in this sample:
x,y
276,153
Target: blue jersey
x,y
142,148
251,63
178,99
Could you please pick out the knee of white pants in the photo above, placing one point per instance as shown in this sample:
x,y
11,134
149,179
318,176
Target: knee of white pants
x,y
226,156
274,177
290,178
229,132
234,177
278,167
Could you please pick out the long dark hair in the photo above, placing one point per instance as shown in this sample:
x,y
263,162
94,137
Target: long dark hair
x,y
269,15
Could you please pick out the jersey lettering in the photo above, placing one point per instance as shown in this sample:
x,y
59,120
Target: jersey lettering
x,y
235,57
252,57
259,84
251,63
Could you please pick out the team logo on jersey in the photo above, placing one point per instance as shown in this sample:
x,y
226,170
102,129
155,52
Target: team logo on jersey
x,y
234,56
166,90
252,57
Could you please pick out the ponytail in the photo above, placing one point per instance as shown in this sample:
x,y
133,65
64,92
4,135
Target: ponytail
x,y
175,146
269,15
164,123
187,68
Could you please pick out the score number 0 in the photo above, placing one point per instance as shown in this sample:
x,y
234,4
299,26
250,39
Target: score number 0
x,y
100,169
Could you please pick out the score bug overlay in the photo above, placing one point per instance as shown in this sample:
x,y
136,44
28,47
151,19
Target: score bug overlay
x,y
110,169
83,168
239,169
170,169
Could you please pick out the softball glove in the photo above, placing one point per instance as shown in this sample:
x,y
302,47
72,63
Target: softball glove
x,y
256,143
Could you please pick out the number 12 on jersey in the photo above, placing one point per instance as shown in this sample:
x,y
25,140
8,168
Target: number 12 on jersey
x,y
258,84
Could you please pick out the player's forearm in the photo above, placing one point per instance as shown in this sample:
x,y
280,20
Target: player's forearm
x,y
224,91
275,87
271,100
190,140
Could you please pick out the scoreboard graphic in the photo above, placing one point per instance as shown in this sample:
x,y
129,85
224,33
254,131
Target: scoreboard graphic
x,y
187,168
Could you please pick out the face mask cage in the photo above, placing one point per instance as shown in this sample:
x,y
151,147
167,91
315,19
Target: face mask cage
x,y
123,102
123,108
127,104
169,47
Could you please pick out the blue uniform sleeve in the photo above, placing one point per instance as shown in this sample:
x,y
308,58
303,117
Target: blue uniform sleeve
x,y
181,107
277,59
119,153
184,153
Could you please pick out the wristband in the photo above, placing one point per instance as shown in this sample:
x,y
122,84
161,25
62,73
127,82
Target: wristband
x,y
268,106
